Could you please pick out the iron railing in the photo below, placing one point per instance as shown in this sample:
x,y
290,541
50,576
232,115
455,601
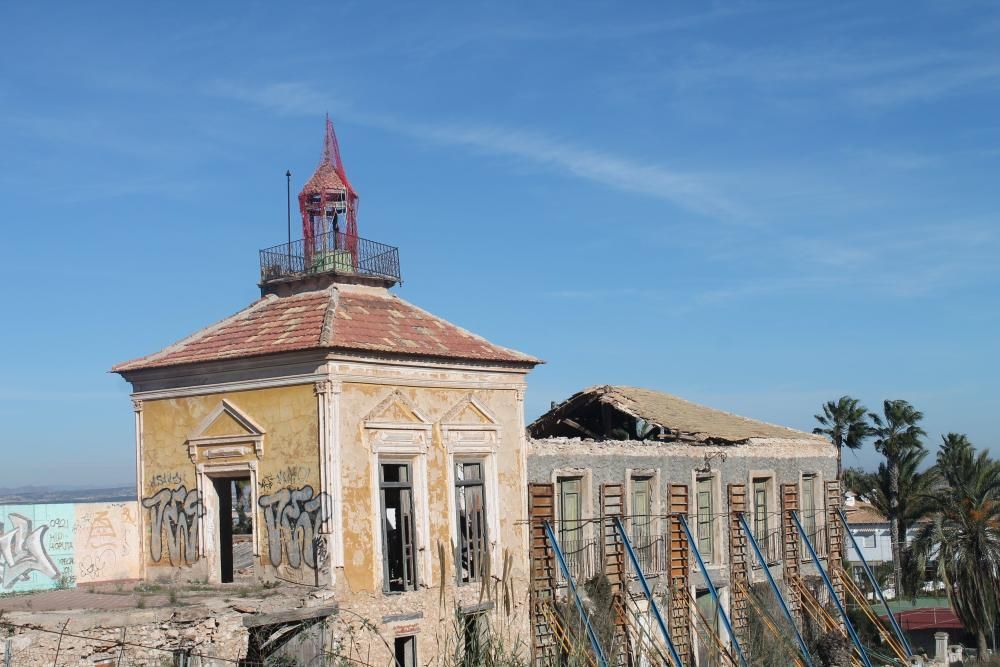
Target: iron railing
x,y
332,252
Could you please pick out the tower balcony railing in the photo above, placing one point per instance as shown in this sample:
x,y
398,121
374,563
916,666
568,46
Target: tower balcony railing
x,y
332,252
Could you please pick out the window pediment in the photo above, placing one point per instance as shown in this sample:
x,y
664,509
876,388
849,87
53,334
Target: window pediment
x,y
226,433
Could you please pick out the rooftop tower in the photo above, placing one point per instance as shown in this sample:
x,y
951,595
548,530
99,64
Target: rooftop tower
x,y
330,249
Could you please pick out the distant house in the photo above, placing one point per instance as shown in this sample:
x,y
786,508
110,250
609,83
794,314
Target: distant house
x,y
870,529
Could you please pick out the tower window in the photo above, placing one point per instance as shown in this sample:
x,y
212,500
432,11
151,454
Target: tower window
x,y
398,541
470,506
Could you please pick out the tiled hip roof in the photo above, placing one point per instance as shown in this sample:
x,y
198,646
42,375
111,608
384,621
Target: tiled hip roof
x,y
335,318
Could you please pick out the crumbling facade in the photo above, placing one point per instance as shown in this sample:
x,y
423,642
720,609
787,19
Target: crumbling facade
x,y
674,458
378,451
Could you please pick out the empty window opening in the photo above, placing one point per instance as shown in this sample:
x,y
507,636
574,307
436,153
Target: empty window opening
x,y
474,639
706,519
398,542
405,650
470,504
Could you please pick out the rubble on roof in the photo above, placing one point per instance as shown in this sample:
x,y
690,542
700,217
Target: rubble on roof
x,y
613,412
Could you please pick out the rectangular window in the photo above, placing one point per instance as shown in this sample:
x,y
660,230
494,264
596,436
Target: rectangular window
x,y
398,535
706,519
641,510
867,539
405,649
470,504
809,520
571,524
474,639
760,522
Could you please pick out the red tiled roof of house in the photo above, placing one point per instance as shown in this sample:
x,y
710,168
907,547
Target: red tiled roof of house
x,y
325,178
334,318
862,513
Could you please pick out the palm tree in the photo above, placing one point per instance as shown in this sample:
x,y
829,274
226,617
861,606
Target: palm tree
x,y
964,537
915,490
896,432
843,421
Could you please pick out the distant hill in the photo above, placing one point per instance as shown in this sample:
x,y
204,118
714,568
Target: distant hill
x,y
34,495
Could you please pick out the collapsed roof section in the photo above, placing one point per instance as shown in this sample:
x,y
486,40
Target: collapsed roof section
x,y
611,412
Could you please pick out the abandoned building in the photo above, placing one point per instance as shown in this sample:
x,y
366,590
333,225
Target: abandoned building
x,y
647,457
381,448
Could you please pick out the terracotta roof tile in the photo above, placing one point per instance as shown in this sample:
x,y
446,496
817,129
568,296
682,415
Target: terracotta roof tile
x,y
377,322
324,179
863,513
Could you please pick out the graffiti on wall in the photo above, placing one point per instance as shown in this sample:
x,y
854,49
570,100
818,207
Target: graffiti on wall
x,y
22,551
175,513
106,542
293,518
289,476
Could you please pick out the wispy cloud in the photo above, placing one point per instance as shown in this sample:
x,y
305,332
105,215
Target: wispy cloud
x,y
859,73
690,191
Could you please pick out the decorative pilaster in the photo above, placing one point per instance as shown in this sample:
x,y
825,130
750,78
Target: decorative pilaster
x,y
325,396
137,407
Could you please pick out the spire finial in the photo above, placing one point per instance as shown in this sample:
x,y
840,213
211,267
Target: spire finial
x,y
331,149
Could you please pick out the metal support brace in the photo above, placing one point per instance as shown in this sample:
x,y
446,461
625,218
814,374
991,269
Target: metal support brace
x,y
833,593
648,593
878,589
594,642
711,589
777,591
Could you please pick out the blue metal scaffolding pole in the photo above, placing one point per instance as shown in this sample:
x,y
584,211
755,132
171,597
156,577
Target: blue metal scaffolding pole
x,y
878,589
655,608
591,635
711,589
777,591
833,593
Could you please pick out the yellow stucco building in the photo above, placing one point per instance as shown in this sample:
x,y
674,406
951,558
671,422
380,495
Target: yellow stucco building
x,y
361,445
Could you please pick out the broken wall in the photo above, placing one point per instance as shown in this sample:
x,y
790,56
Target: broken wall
x,y
57,545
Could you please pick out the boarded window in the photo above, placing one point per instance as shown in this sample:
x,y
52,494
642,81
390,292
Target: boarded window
x,y
398,538
576,550
809,521
470,504
642,508
570,511
706,519
760,523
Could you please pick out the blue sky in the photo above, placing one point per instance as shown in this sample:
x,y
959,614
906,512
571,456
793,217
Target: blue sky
x,y
755,206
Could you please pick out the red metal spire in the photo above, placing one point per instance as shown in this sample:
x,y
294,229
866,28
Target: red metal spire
x,y
329,183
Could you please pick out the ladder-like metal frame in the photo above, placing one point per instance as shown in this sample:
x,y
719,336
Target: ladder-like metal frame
x,y
595,643
878,589
829,587
777,591
711,589
655,608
